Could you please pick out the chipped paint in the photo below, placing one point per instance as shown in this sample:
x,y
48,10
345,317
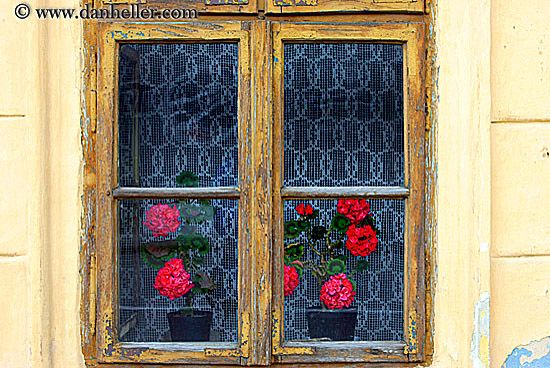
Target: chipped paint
x,y
412,341
479,351
295,2
536,354
277,348
430,238
226,2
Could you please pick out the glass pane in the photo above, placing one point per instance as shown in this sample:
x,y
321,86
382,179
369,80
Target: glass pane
x,y
202,236
344,270
178,112
343,114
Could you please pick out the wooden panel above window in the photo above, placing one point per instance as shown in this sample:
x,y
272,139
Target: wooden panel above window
x,y
201,6
319,6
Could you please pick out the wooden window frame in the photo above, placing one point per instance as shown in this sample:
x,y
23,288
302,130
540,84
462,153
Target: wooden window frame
x,y
320,6
110,37
213,7
260,193
411,37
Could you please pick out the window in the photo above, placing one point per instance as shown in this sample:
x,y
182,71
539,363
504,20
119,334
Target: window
x,y
232,147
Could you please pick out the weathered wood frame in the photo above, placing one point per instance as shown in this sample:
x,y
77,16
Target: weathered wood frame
x,y
318,6
411,37
110,37
257,292
231,6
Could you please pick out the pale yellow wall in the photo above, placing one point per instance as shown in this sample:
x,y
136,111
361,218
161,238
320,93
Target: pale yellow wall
x,y
520,137
482,252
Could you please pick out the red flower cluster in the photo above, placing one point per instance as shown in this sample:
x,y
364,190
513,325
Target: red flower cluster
x,y
337,292
304,210
172,280
162,219
361,241
292,280
355,209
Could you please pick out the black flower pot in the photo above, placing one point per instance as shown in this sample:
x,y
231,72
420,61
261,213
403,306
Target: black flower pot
x,y
187,327
335,324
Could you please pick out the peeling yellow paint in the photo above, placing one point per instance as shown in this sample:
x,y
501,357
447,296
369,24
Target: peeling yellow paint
x,y
295,2
412,341
479,350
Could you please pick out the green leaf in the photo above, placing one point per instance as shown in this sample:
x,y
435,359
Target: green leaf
x,y
155,262
198,260
299,269
197,213
335,267
287,260
184,244
353,284
362,265
295,250
341,257
304,225
340,223
194,241
197,279
156,255
292,229
187,229
187,179
203,281
199,290
318,232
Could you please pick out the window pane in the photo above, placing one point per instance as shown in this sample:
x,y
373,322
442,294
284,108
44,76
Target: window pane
x,y
343,114
178,112
204,235
376,308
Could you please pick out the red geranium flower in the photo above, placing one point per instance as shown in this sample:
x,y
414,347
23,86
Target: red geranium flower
x,y
172,280
337,292
361,241
304,210
162,219
292,280
355,209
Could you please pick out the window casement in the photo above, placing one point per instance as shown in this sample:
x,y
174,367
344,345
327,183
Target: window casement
x,y
227,127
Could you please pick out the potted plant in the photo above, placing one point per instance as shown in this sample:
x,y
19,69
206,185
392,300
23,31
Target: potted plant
x,y
179,261
351,230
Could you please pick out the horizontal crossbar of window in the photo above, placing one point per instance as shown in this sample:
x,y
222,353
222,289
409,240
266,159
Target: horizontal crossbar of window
x,y
177,193
344,192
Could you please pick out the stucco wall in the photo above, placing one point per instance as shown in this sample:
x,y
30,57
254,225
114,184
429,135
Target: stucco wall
x,y
520,136
493,138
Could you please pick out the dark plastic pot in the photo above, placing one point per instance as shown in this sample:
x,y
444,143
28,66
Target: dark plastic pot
x,y
335,324
187,327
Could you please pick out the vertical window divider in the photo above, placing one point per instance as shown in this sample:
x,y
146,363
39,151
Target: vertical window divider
x,y
261,207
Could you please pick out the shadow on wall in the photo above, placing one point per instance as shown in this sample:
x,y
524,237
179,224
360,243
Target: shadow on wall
x,y
536,354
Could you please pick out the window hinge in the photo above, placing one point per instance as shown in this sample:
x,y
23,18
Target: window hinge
x,y
412,342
